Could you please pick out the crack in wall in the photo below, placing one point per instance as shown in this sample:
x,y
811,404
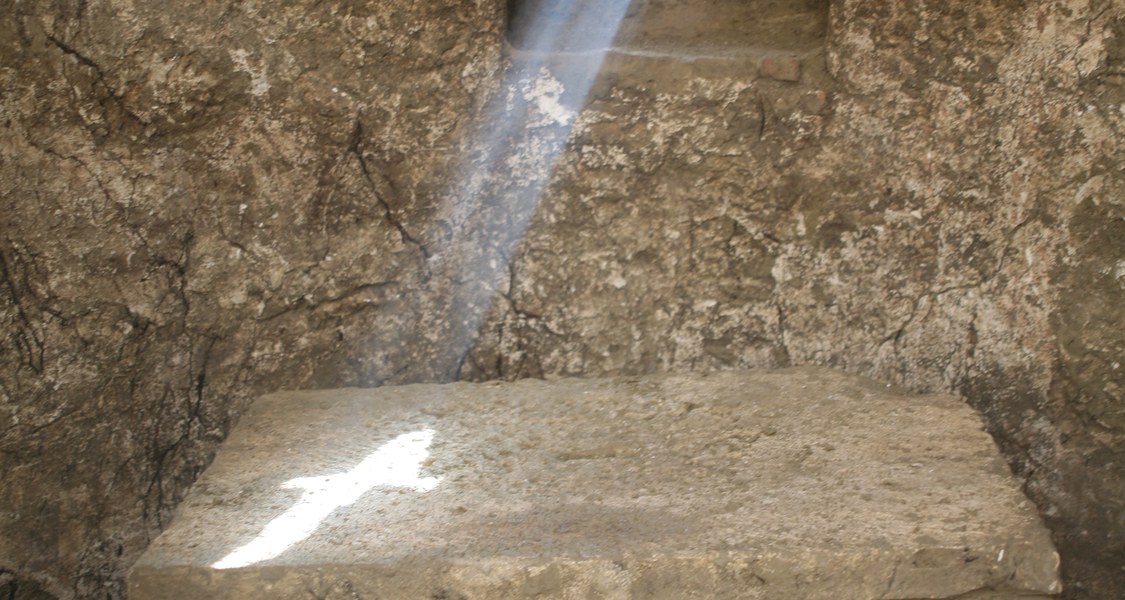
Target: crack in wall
x,y
111,95
27,338
381,193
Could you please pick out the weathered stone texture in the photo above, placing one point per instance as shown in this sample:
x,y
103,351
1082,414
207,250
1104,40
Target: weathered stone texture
x,y
796,484
202,201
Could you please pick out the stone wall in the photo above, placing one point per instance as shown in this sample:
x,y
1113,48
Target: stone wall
x,y
200,201
203,201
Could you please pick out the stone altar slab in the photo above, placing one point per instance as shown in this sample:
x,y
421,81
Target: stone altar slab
x,y
802,483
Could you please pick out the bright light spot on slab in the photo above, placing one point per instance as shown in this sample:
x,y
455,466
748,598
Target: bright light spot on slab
x,y
394,464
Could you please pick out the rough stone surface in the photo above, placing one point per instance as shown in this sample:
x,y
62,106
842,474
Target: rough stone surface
x,y
202,201
707,26
804,483
784,68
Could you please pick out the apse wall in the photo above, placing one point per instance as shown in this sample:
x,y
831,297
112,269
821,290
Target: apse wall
x,y
201,202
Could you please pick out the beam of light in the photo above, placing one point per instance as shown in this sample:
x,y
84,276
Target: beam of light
x,y
394,464
512,156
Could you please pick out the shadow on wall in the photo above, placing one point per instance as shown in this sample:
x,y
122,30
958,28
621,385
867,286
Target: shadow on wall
x,y
22,589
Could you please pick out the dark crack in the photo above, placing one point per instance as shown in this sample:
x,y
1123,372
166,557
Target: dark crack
x,y
462,360
198,386
303,303
1009,241
781,340
524,316
179,267
897,335
27,339
509,296
974,337
355,147
151,505
761,117
120,207
111,93
891,583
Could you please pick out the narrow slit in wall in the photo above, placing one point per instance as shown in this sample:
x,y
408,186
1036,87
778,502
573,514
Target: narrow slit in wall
x,y
698,26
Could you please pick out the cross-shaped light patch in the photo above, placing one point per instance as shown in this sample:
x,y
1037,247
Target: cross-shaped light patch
x,y
394,464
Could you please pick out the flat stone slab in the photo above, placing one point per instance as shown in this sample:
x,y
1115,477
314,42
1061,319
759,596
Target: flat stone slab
x,y
802,483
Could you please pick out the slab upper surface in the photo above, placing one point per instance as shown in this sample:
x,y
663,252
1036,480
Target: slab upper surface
x,y
753,465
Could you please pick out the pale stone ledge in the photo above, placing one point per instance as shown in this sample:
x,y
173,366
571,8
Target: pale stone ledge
x,y
803,484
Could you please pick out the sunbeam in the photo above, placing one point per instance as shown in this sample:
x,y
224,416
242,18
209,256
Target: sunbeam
x,y
557,51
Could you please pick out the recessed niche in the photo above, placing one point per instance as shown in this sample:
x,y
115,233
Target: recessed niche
x,y
697,26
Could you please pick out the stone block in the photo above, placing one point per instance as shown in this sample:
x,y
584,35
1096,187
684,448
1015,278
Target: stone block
x,y
796,484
